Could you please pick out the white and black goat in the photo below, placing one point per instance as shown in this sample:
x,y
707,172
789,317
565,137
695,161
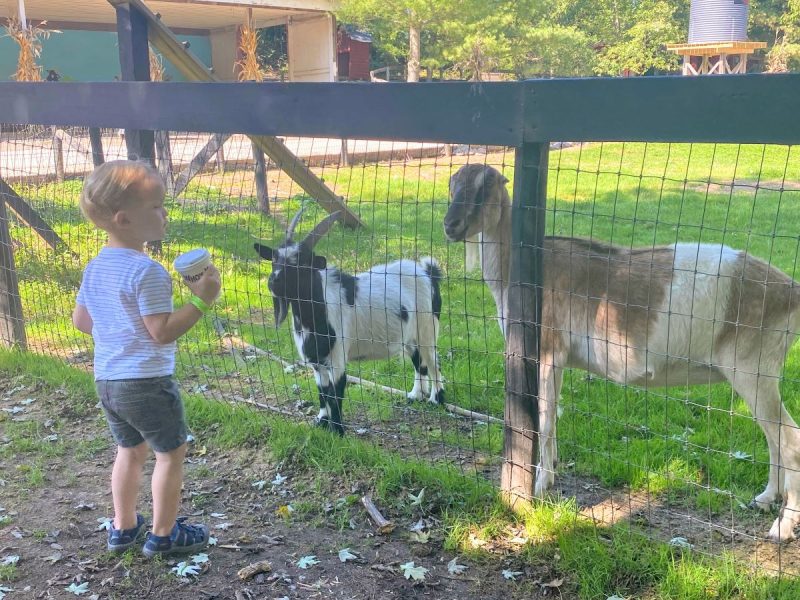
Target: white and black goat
x,y
683,314
390,310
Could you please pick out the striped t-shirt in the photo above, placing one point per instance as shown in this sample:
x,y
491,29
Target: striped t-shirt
x,y
119,287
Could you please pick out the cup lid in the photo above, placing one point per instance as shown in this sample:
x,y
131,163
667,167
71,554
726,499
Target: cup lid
x,y
189,259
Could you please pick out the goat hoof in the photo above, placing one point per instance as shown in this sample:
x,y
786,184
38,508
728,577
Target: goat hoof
x,y
755,504
440,397
782,530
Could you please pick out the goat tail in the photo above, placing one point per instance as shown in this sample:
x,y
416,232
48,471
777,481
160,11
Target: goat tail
x,y
434,274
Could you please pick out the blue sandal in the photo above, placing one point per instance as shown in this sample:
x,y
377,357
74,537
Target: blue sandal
x,y
184,539
119,540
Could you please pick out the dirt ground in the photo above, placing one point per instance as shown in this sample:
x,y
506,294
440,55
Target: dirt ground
x,y
51,507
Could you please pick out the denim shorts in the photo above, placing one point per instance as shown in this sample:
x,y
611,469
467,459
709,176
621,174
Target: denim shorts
x,y
144,410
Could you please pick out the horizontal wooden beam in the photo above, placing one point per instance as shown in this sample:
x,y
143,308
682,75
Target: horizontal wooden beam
x,y
735,108
448,112
110,26
726,108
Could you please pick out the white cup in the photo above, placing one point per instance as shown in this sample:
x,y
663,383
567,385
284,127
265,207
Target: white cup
x,y
192,264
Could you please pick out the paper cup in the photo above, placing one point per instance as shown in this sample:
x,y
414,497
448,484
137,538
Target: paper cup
x,y
192,264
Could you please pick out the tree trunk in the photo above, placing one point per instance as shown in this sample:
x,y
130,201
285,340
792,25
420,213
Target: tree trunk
x,y
413,53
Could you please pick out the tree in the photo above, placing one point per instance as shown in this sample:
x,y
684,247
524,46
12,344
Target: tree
x,y
389,20
642,45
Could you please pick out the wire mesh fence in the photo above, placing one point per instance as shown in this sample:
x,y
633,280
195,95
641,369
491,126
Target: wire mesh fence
x,y
677,463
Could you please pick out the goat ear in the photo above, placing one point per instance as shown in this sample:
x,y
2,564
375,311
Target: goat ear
x,y
281,309
319,262
264,252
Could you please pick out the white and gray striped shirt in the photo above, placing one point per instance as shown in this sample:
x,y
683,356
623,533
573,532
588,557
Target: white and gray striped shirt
x,y
119,287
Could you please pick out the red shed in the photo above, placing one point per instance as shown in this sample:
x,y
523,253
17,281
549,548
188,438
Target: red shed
x,y
353,54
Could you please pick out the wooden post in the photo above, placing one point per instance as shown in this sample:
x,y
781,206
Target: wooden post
x,y
12,324
164,155
220,158
344,155
521,439
199,161
260,173
134,60
58,156
29,216
96,142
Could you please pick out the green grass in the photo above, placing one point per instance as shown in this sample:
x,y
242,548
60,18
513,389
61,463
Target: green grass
x,y
676,443
630,194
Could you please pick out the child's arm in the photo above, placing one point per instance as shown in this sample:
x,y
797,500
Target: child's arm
x,y
82,319
165,328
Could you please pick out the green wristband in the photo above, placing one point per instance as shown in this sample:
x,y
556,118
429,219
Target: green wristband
x,y
199,304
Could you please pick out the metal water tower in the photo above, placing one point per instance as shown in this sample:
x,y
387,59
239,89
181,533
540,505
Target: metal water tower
x,y
718,21
717,38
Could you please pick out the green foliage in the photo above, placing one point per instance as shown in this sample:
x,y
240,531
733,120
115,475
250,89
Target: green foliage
x,y
641,48
553,38
273,52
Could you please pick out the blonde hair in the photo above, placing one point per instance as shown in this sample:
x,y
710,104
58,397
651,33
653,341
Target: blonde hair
x,y
113,186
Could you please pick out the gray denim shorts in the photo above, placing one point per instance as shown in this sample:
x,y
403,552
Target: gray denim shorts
x,y
144,410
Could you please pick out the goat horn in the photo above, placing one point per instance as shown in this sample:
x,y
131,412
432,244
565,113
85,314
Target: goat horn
x,y
293,224
320,230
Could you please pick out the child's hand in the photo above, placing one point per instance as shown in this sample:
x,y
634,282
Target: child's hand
x,y
208,286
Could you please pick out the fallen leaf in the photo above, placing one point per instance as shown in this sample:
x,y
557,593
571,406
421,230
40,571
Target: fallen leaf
x,y
53,558
417,500
212,541
411,571
421,537
556,583
78,589
186,569
279,479
223,526
345,555
454,568
218,515
5,590
9,560
307,561
285,511
200,559
259,485
680,542
512,575
105,523
741,455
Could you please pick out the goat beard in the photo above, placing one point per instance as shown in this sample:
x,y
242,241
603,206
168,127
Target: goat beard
x,y
281,308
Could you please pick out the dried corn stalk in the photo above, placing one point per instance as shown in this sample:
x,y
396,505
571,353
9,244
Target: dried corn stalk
x,y
249,67
29,41
156,67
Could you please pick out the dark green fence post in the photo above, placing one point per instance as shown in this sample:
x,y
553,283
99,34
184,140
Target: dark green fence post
x,y
12,323
96,141
521,439
134,60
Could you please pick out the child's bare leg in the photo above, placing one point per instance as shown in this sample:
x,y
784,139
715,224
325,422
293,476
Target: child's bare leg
x,y
166,487
126,477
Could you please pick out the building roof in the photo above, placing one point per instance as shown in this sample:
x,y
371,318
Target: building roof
x,y
182,16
